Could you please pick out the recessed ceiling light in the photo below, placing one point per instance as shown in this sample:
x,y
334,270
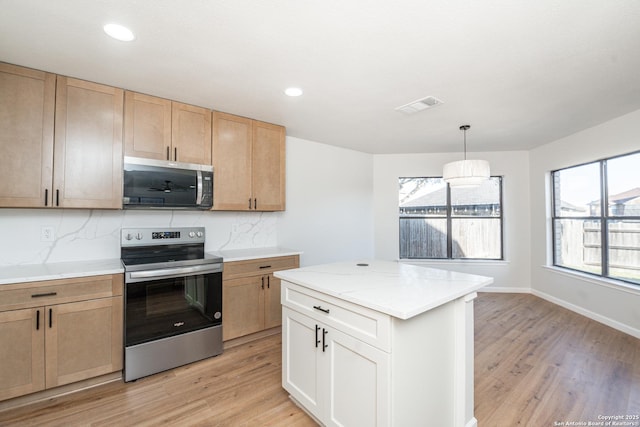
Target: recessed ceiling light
x,y
293,91
119,32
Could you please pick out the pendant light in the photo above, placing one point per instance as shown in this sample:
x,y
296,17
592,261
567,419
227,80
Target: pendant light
x,y
466,173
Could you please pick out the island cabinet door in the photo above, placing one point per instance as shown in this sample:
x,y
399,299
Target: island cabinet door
x,y
301,354
358,381
339,379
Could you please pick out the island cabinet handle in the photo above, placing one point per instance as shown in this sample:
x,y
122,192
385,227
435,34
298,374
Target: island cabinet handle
x,y
262,267
48,294
50,318
38,320
324,310
317,340
324,334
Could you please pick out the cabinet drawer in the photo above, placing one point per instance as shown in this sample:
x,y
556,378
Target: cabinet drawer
x,y
362,323
259,266
34,294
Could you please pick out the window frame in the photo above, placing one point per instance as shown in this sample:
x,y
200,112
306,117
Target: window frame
x,y
449,217
604,218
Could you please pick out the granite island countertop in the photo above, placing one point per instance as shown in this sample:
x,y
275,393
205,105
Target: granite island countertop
x,y
58,270
394,288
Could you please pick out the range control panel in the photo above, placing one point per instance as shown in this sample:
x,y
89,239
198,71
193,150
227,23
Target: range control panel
x,y
161,236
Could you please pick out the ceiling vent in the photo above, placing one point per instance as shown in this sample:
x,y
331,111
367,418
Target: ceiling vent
x,y
419,105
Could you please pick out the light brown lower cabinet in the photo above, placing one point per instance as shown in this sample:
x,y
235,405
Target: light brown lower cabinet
x,y
59,332
251,295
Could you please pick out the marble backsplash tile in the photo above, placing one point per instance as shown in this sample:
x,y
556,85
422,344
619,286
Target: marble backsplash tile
x,y
81,235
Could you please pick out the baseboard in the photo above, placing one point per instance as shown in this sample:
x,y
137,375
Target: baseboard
x,y
590,314
505,290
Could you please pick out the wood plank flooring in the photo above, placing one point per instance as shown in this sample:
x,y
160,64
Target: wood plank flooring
x,y
536,364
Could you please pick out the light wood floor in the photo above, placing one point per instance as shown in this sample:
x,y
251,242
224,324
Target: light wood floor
x,y
536,364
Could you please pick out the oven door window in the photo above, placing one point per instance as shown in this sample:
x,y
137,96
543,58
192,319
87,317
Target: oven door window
x,y
166,307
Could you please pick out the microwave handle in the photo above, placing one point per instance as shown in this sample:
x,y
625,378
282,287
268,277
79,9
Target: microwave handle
x,y
199,188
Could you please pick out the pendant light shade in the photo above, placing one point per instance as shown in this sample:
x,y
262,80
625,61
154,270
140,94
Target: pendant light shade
x,y
466,173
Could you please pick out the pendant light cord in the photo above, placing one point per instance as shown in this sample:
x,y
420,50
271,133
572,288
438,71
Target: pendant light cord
x,y
464,128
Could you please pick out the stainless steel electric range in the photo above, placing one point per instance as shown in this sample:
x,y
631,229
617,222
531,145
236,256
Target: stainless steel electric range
x,y
173,299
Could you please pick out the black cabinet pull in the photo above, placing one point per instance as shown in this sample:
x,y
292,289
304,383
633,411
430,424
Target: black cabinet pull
x,y
175,154
262,267
324,334
48,294
249,203
50,318
57,197
255,203
38,320
268,282
168,155
324,310
317,340
262,282
46,197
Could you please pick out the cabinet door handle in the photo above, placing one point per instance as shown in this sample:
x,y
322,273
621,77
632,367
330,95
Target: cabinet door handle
x,y
255,203
317,340
268,282
46,196
324,310
50,318
262,267
324,334
48,294
262,282
57,197
168,155
175,154
249,202
38,320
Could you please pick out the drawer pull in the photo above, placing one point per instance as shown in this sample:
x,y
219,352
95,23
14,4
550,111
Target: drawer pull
x,y
324,310
262,267
48,294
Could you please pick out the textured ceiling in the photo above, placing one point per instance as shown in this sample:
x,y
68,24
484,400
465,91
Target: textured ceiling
x,y
521,73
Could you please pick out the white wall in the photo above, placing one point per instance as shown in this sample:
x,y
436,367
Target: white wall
x,y
513,274
328,217
329,203
615,305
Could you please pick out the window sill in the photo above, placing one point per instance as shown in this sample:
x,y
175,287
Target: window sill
x,y
418,261
602,281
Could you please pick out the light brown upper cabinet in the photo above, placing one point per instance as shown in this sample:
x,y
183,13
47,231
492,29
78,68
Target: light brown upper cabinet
x,y
248,164
80,166
87,172
157,128
27,103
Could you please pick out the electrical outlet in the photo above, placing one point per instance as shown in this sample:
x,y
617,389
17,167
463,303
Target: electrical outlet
x,y
47,234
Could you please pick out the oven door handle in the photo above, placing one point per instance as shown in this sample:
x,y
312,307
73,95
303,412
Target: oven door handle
x,y
141,276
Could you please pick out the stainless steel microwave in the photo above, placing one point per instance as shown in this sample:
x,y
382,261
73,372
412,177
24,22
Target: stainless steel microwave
x,y
159,184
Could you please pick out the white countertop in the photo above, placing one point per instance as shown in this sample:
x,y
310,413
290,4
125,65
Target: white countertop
x,y
400,290
254,253
58,270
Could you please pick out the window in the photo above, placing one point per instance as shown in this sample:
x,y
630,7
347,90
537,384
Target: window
x,y
442,222
589,199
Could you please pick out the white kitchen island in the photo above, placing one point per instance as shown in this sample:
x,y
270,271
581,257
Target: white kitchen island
x,y
379,343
